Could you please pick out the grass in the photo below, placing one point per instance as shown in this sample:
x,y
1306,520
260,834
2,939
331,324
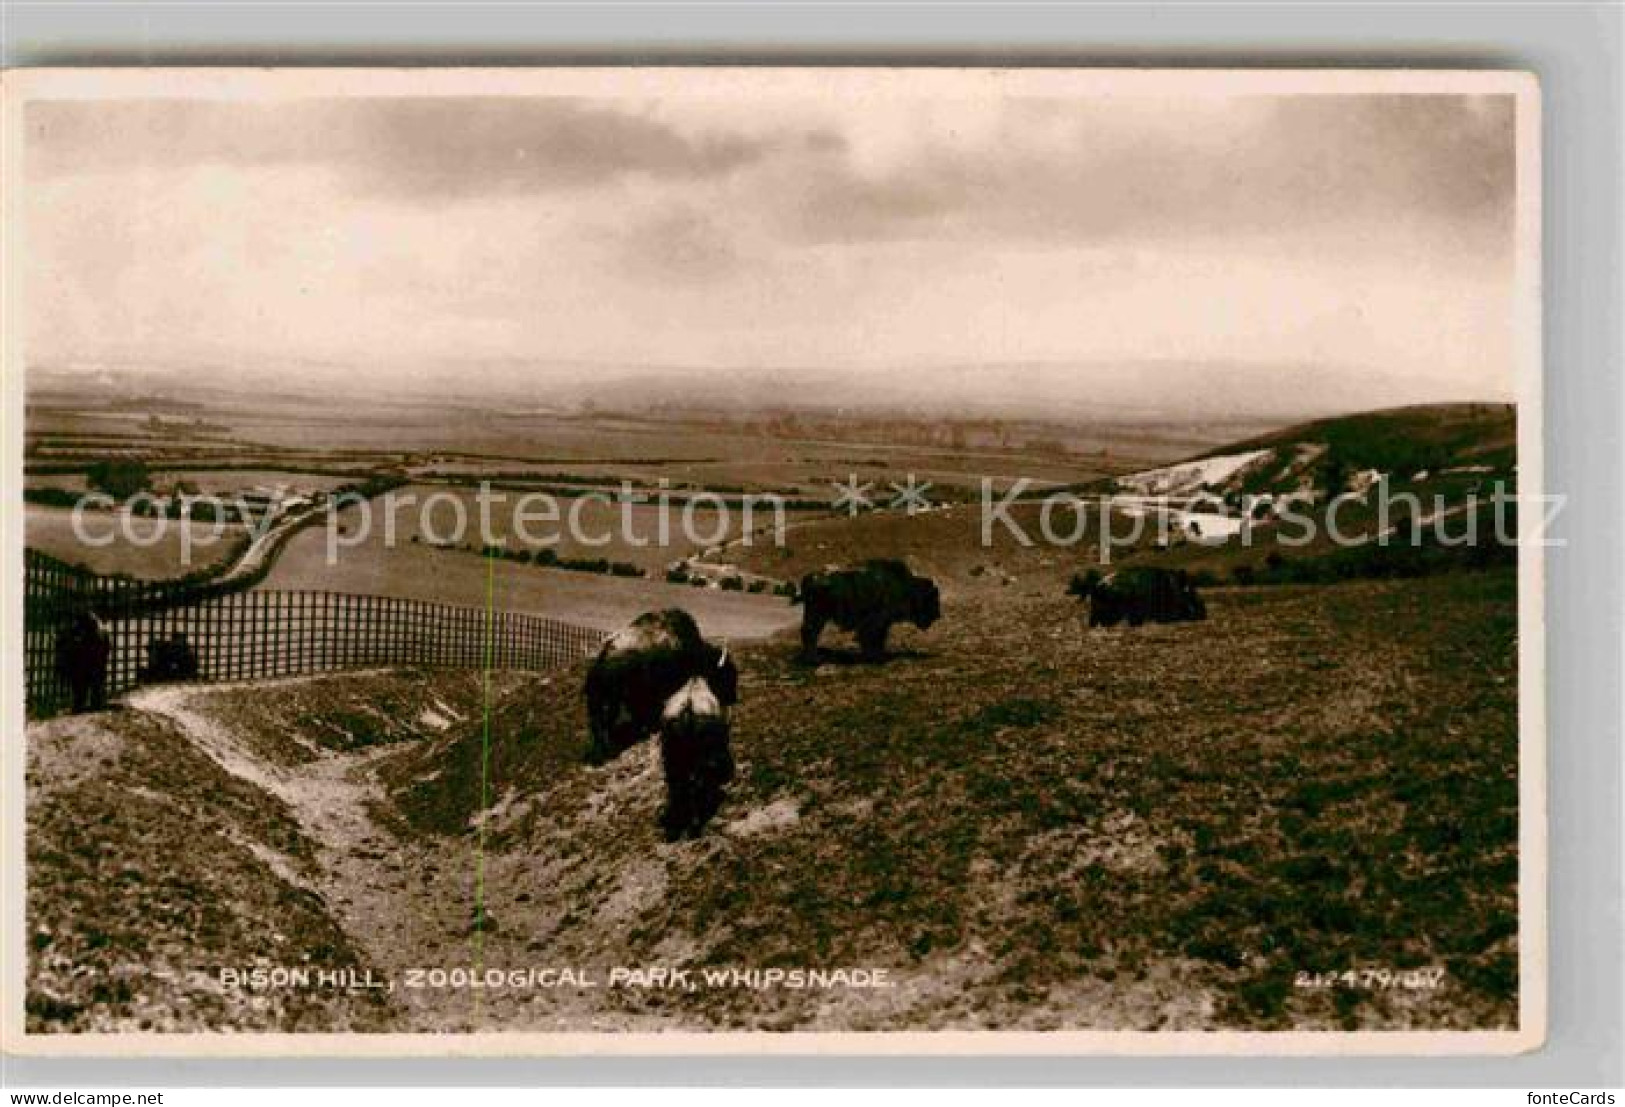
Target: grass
x,y
1315,780
1405,440
156,555
416,571
146,866
230,482
1027,823
637,534
720,450
1031,824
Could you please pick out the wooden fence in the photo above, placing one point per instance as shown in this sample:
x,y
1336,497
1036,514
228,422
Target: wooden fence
x,y
247,635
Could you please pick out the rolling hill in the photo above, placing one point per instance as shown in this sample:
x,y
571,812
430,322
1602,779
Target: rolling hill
x,y
1418,448
1439,467
1024,822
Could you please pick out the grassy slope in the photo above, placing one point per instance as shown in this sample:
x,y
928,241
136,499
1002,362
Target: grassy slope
x,y
1036,825
948,545
148,864
1405,439
945,545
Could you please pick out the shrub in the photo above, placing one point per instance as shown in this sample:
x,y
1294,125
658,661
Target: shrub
x,y
119,477
732,584
51,497
584,564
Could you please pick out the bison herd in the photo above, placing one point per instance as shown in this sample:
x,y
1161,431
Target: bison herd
x,y
660,676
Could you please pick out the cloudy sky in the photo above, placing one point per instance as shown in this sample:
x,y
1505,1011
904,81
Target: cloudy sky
x,y
410,236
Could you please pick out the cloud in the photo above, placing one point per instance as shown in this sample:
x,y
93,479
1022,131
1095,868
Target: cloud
x,y
678,243
1119,171
894,232
429,148
1098,169
447,147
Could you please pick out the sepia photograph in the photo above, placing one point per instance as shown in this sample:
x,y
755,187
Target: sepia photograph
x,y
774,559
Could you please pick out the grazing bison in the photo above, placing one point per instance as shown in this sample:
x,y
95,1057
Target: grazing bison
x,y
1139,594
695,757
639,669
170,658
82,649
866,601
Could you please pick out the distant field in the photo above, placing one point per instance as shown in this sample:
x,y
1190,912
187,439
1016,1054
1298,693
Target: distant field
x,y
705,450
587,599
50,530
429,428
596,520
217,482
796,475
52,419
73,482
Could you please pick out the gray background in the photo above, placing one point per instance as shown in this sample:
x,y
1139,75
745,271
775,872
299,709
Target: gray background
x,y
1575,50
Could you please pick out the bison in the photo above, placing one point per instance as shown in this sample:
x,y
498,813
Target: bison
x,y
642,667
83,647
170,658
1139,594
866,601
695,757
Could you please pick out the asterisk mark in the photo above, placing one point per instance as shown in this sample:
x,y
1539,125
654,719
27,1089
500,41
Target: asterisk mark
x,y
853,495
911,495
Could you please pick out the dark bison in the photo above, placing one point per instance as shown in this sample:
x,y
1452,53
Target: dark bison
x,y
866,601
170,658
1139,594
639,669
695,757
82,649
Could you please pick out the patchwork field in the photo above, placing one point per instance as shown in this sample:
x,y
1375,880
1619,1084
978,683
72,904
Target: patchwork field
x,y
648,535
159,552
417,571
723,451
